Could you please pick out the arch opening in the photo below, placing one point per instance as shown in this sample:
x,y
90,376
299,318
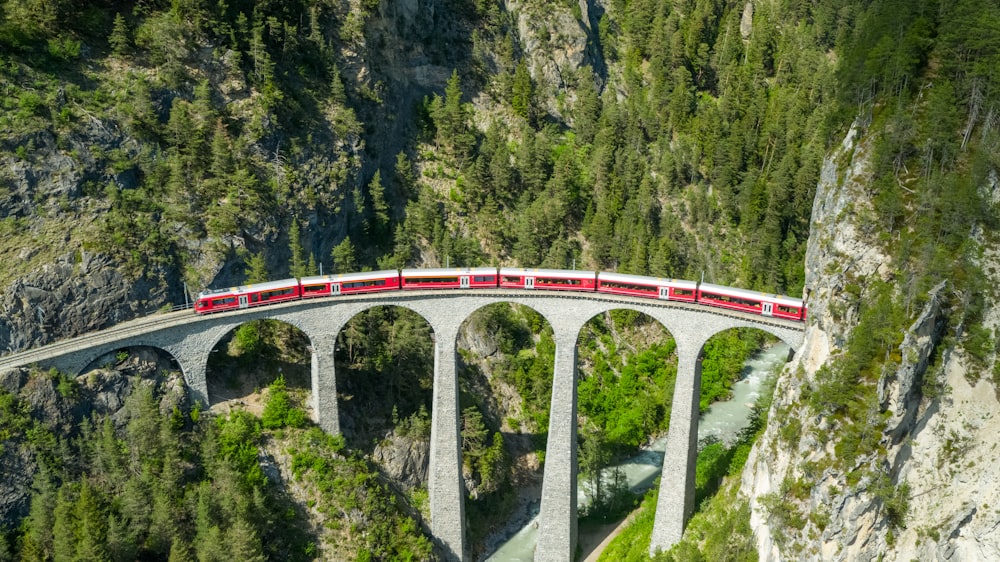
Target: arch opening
x,y
738,369
384,361
258,355
627,367
109,379
506,358
134,360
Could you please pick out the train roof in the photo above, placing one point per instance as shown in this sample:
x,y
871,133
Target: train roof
x,y
565,273
341,277
242,289
629,278
454,271
746,293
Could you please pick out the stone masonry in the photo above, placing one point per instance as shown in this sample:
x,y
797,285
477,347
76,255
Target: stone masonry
x,y
190,338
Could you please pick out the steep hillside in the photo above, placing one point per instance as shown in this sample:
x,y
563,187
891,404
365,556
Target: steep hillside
x,y
153,148
885,423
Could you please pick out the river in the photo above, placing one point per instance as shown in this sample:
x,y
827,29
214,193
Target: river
x,y
724,420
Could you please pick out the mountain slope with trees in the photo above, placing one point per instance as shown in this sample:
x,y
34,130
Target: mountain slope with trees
x,y
152,148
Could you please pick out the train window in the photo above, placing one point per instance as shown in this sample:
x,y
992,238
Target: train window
x,y
628,286
483,278
360,284
545,281
733,300
268,295
787,309
411,280
227,300
507,279
313,288
683,292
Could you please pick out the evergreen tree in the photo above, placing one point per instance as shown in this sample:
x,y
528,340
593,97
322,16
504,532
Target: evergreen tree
x,y
344,260
256,268
180,551
379,206
337,92
404,173
119,38
297,264
522,92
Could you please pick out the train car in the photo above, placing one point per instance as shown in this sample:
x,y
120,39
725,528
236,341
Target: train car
x,y
651,287
246,296
454,278
549,279
350,283
751,301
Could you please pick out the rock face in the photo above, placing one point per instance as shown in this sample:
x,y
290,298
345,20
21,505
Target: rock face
x,y
939,445
80,293
404,460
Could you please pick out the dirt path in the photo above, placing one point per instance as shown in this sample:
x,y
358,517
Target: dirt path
x,y
595,538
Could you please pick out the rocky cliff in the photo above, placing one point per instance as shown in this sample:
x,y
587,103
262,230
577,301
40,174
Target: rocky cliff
x,y
923,485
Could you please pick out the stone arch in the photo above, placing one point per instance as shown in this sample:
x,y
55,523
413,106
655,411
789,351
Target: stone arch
x,y
486,333
791,338
380,341
622,429
235,369
106,355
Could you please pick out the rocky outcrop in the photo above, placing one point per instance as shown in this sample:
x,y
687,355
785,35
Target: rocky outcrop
x,y
935,461
404,460
79,293
899,389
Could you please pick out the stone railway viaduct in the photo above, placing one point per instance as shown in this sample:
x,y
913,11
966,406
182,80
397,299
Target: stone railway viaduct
x,y
190,339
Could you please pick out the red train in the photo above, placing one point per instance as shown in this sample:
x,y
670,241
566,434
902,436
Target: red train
x,y
505,278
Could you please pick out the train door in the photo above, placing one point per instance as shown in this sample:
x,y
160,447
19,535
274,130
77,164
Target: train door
x,y
767,308
463,281
244,301
529,282
665,293
335,289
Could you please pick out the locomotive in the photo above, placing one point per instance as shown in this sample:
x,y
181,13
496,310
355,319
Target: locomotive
x,y
260,294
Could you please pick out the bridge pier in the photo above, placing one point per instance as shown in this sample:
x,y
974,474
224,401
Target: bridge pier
x,y
676,497
195,371
444,476
557,515
324,384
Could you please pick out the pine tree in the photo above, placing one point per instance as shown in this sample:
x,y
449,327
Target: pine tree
x,y
312,268
180,551
256,268
379,206
343,257
337,92
64,525
242,542
297,263
119,38
522,92
404,173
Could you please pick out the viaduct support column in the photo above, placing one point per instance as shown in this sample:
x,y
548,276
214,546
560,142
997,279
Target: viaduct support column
x,y
444,480
194,367
676,497
324,384
558,519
